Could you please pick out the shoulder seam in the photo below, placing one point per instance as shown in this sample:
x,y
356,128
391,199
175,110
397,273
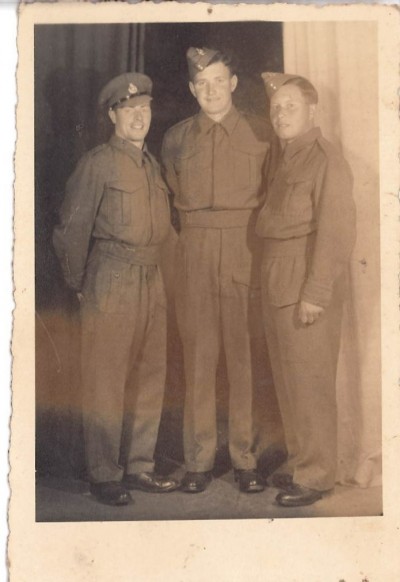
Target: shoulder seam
x,y
332,154
94,151
180,123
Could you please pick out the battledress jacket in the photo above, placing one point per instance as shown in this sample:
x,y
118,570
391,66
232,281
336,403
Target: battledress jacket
x,y
115,194
216,171
309,205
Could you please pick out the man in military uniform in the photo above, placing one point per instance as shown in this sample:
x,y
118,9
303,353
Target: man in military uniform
x,y
114,219
212,164
308,226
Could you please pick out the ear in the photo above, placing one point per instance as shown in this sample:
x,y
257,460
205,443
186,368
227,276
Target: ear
x,y
112,116
192,89
313,108
234,82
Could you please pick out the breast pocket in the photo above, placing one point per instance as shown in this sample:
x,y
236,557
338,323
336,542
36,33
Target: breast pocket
x,y
162,192
122,202
193,169
299,198
243,168
160,211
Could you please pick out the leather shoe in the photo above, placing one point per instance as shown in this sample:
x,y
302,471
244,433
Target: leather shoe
x,y
110,493
196,482
297,496
282,481
150,482
249,481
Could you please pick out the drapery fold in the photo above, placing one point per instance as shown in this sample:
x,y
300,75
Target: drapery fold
x,y
341,60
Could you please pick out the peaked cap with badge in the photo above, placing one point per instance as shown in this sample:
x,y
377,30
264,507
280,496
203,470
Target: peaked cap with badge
x,y
198,59
128,88
274,81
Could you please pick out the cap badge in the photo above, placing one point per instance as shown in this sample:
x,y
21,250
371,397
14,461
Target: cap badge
x,y
132,89
200,52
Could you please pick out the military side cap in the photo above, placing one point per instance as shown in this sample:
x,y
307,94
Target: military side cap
x,y
198,59
126,88
274,81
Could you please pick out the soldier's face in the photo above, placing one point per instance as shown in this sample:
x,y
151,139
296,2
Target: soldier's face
x,y
132,122
213,89
291,115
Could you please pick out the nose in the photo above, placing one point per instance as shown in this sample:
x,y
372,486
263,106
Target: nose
x,y
210,89
137,115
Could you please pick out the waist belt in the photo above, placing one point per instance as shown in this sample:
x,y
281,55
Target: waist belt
x,y
291,247
216,218
133,255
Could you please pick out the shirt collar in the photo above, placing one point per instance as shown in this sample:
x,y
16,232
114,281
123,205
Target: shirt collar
x,y
301,142
228,122
131,150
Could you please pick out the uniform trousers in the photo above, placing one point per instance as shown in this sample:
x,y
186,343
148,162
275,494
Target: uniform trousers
x,y
304,359
123,317
217,302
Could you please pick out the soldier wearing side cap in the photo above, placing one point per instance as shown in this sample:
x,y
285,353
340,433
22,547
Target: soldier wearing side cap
x,y
113,223
308,227
212,164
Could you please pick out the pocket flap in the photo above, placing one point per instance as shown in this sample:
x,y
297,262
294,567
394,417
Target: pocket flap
x,y
298,179
247,277
187,152
124,186
161,184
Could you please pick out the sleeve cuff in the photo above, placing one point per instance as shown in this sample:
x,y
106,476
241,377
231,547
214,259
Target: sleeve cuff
x,y
317,293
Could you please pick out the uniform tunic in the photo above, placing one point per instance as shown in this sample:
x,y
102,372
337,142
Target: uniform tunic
x,y
214,171
308,226
114,219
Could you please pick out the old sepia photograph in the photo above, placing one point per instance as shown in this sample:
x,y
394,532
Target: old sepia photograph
x,y
203,205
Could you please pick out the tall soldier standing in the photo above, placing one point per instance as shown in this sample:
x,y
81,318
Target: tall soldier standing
x,y
114,219
213,166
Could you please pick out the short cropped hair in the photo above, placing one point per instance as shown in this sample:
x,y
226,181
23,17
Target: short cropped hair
x,y
308,90
226,59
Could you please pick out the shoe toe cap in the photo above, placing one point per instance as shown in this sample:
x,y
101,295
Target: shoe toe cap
x,y
298,496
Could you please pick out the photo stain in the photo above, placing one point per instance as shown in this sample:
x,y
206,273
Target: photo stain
x,y
363,264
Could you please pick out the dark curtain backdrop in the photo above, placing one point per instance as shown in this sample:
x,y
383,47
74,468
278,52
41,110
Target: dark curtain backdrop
x,y
72,63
